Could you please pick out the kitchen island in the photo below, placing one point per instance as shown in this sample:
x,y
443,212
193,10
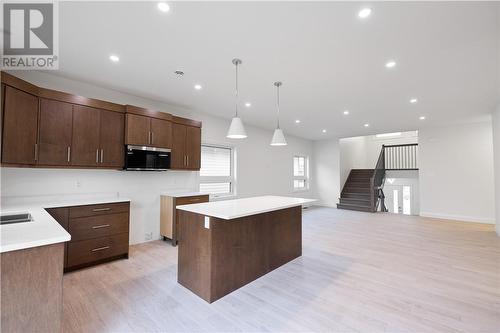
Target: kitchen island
x,y
224,245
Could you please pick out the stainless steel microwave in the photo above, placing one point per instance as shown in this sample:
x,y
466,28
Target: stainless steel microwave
x,y
142,158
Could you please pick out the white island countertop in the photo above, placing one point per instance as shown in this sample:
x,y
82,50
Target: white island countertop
x,y
44,229
232,209
182,194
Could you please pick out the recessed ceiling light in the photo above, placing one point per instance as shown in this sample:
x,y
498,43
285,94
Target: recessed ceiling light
x,y
390,64
247,104
324,131
366,125
114,58
422,118
163,6
179,73
297,121
413,100
346,112
364,13
197,87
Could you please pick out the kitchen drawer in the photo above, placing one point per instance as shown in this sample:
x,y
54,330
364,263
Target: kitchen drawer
x,y
191,200
98,226
87,251
101,209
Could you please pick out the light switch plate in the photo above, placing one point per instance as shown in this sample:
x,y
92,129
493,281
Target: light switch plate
x,y
207,222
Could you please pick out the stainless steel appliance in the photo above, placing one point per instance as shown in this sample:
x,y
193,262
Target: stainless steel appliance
x,y
142,158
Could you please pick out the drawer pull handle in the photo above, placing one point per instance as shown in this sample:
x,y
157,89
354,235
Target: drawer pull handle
x,y
100,209
101,248
100,226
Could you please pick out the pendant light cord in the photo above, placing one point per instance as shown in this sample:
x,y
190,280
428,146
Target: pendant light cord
x,y
236,90
278,103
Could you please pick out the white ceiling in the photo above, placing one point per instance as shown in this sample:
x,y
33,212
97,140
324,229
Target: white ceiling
x,y
329,60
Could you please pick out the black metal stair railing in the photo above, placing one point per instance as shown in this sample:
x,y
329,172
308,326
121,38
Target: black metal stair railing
x,y
392,157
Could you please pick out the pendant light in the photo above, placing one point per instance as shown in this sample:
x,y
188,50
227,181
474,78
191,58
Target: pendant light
x,y
236,129
278,136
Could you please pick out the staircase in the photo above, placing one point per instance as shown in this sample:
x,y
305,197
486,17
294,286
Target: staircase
x,y
363,189
356,193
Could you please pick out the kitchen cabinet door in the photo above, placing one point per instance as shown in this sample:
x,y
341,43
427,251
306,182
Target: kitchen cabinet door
x,y
161,133
193,147
85,141
20,123
55,127
137,130
111,153
178,158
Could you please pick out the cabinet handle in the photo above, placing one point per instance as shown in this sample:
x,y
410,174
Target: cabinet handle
x,y
69,154
97,155
152,137
100,209
36,152
101,248
102,155
100,226
149,137
187,160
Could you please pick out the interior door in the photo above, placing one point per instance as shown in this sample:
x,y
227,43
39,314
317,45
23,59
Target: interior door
x,y
111,139
398,199
85,141
20,121
193,147
161,133
137,130
56,122
178,160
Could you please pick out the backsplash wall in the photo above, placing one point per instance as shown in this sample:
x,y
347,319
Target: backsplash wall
x,y
142,188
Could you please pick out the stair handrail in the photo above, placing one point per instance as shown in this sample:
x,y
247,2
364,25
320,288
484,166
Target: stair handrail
x,y
377,179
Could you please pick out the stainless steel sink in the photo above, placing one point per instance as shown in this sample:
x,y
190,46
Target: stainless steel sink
x,y
15,218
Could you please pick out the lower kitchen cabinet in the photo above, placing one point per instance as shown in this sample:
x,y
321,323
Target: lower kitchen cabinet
x,y
99,233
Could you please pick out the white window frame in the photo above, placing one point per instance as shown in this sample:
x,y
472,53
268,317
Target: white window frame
x,y
306,174
222,179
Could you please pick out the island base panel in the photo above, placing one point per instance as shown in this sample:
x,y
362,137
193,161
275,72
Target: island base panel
x,y
214,262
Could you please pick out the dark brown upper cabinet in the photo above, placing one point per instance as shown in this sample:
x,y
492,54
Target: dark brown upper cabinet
x,y
55,131
148,128
111,153
161,133
178,157
20,119
186,145
49,128
85,143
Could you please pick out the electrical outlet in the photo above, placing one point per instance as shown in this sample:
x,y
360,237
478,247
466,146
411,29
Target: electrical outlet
x,y
78,183
148,235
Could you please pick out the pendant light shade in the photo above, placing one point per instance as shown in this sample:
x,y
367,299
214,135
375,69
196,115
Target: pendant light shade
x,y
236,129
278,136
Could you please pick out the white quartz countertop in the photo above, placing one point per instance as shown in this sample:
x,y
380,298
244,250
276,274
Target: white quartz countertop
x,y
44,229
181,194
232,209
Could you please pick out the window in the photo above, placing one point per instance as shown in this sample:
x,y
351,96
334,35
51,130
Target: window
x,y
216,173
300,173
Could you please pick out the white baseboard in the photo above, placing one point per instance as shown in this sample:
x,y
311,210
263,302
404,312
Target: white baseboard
x,y
462,218
325,204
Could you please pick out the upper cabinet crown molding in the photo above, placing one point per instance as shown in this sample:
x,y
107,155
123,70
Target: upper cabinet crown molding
x,y
60,96
186,121
147,112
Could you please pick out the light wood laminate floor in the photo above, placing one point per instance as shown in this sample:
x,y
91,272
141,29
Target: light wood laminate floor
x,y
359,272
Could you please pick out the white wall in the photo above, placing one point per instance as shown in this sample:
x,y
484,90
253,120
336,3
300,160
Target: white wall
x,y
326,172
456,172
496,147
362,152
261,169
